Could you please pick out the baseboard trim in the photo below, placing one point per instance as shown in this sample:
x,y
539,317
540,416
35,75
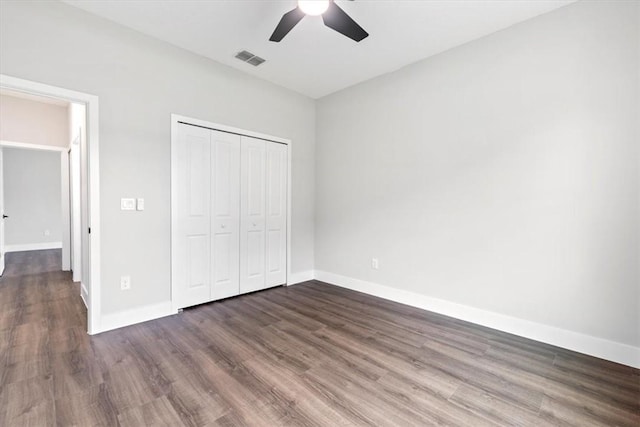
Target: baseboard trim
x,y
124,318
33,247
581,343
299,277
84,294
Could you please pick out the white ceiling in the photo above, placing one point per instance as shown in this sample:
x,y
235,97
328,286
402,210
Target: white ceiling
x,y
313,59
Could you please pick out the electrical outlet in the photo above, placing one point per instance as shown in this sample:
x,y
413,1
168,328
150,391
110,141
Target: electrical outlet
x,y
374,263
125,283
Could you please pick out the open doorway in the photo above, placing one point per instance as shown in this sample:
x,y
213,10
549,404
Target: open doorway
x,y
33,200
34,138
77,209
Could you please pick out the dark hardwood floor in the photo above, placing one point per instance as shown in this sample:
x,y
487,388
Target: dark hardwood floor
x,y
312,354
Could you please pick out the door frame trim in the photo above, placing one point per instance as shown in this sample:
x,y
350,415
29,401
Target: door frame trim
x,y
29,146
93,165
176,119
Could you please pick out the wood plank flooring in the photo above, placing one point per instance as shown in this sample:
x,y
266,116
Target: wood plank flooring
x,y
308,355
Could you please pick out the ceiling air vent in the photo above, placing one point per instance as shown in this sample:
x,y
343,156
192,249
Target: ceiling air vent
x,y
249,58
255,61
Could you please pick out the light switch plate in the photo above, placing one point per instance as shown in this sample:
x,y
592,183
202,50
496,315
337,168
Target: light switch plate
x,y
140,204
128,204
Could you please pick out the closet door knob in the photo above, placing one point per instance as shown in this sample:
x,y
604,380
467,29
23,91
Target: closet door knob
x,y
223,226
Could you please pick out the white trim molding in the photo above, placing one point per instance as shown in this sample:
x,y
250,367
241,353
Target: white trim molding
x,y
137,315
33,246
177,118
575,341
84,294
300,277
29,146
65,213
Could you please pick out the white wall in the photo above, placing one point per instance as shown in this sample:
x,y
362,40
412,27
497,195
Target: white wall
x,y
32,122
501,175
31,197
140,82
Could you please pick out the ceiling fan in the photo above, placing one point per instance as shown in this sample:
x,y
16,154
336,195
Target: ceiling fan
x,y
333,17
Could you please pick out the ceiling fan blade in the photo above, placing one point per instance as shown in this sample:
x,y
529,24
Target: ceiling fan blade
x,y
337,19
286,24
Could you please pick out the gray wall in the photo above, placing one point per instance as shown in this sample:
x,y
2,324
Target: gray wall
x,y
140,82
32,196
501,175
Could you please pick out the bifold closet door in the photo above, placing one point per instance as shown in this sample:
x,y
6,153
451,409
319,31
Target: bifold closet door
x,y
229,210
225,214
191,209
252,214
263,214
276,195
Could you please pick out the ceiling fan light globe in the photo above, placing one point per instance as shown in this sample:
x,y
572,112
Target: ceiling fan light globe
x,y
313,7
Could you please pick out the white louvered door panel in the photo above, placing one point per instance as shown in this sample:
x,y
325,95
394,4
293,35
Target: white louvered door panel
x,y
192,237
276,213
225,214
252,214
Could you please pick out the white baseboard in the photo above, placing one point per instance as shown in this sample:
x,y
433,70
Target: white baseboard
x,y
84,294
138,315
143,314
587,344
33,247
299,277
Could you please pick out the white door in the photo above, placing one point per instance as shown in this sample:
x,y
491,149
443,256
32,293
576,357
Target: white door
x,y
252,214
76,211
276,198
1,214
225,214
191,235
85,216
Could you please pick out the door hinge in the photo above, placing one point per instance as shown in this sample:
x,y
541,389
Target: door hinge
x,y
89,230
